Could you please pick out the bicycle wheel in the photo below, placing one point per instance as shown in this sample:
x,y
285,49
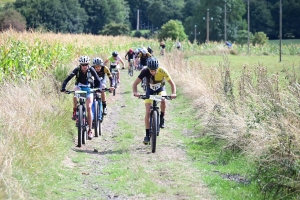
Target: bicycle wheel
x,y
95,120
98,118
80,125
131,70
153,126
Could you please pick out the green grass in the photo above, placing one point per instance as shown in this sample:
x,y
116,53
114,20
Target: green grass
x,y
285,42
3,2
208,155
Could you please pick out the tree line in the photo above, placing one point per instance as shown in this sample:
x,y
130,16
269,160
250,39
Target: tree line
x,y
120,17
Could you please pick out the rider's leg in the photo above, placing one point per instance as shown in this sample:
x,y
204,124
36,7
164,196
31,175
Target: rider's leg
x,y
75,104
147,123
163,107
103,98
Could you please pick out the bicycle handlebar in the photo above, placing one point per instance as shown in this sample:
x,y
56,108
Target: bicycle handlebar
x,y
92,90
154,97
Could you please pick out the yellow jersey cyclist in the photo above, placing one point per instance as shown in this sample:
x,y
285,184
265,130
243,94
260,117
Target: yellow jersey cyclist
x,y
156,77
114,60
101,70
84,81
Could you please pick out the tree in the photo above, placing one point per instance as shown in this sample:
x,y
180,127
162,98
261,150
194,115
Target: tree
x,y
161,11
54,15
102,12
115,29
172,29
12,19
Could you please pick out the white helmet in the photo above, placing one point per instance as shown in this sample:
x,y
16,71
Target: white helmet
x,y
144,51
84,60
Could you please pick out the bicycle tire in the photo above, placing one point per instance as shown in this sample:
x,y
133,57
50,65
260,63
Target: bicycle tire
x,y
153,126
131,71
98,122
95,120
80,125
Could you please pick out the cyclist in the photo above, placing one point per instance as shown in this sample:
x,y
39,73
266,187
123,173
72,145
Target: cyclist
x,y
178,45
156,77
101,70
228,44
130,55
84,74
114,63
150,50
162,47
143,56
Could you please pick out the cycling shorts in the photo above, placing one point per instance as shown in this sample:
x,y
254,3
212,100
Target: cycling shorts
x,y
84,88
161,91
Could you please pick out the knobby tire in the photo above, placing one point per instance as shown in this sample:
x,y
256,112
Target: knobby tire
x,y
80,125
153,131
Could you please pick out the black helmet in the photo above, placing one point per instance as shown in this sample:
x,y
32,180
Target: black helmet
x,y
114,54
152,63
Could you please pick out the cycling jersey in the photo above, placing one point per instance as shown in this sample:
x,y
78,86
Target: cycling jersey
x,y
130,55
114,62
104,70
156,82
143,58
82,78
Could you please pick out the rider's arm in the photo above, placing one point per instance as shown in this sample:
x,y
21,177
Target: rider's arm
x,y
134,86
107,72
96,77
74,72
173,86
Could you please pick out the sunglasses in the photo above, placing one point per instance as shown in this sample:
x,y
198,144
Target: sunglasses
x,y
84,64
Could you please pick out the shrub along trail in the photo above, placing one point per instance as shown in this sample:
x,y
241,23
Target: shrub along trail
x,y
117,165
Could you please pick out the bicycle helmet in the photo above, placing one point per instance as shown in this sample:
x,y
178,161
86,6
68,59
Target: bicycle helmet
x,y
84,60
130,50
98,61
144,51
152,63
114,54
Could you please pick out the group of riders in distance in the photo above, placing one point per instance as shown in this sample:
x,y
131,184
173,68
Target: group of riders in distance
x,y
93,76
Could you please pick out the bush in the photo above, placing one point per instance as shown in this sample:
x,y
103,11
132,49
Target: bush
x,y
259,38
12,19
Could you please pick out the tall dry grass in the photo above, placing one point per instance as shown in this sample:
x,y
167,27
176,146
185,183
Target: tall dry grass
x,y
24,138
257,114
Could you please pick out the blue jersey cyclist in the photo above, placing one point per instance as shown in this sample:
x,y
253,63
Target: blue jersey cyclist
x,y
84,81
156,77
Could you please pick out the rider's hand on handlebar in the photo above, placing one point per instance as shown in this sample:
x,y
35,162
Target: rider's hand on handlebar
x,y
63,90
173,96
111,89
136,94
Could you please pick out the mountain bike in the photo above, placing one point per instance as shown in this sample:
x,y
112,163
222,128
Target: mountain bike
x,y
98,115
81,118
154,117
130,70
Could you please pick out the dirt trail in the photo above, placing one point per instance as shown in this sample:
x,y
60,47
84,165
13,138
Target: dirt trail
x,y
169,168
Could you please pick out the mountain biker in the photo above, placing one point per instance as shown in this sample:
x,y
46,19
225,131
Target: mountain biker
x,y
114,59
143,56
156,77
84,74
162,47
101,70
130,55
150,50
228,44
178,45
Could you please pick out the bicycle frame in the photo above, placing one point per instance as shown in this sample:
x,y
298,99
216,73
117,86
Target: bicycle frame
x,y
81,118
154,115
